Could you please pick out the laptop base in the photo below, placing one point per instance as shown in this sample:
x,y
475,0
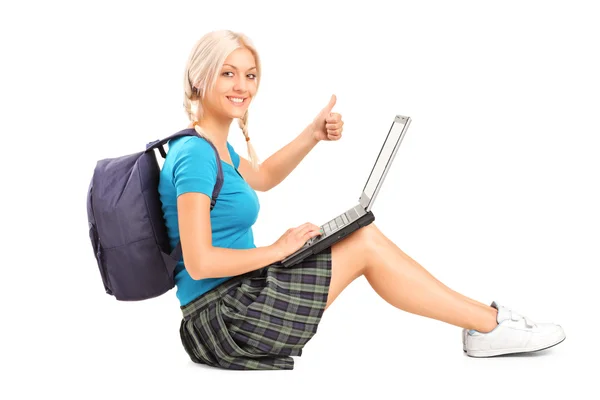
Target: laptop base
x,y
319,246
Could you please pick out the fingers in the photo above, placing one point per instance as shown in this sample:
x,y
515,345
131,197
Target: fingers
x,y
334,136
308,224
309,234
333,118
334,125
307,229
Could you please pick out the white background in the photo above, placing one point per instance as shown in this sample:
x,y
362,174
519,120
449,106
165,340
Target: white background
x,y
494,189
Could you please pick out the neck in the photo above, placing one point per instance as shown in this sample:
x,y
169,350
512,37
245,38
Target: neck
x,y
216,131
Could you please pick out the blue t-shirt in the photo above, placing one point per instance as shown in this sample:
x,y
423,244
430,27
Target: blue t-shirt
x,y
191,166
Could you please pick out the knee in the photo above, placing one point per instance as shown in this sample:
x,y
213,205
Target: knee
x,y
369,238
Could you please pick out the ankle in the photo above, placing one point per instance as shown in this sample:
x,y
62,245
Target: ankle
x,y
489,323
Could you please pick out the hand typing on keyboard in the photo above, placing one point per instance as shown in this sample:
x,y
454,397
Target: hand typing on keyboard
x,y
313,239
296,238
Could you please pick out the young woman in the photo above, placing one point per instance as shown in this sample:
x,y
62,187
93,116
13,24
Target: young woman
x,y
240,309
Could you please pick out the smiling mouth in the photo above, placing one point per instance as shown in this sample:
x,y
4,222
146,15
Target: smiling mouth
x,y
237,101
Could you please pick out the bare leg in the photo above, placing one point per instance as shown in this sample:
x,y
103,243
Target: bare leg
x,y
402,282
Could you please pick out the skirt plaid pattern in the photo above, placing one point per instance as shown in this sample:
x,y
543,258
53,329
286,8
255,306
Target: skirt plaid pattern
x,y
258,320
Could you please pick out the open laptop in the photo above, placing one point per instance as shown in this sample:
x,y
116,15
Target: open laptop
x,y
360,215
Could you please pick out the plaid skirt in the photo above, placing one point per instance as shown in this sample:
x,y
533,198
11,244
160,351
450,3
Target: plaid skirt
x,y
258,320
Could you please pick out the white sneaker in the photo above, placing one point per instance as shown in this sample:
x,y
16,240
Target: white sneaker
x,y
514,334
465,332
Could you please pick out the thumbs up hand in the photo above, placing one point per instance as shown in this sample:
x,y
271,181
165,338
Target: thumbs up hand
x,y
327,125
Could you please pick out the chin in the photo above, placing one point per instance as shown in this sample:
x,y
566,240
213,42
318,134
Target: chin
x,y
238,113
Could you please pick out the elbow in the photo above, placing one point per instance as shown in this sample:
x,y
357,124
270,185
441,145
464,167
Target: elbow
x,y
266,183
199,268
196,272
264,188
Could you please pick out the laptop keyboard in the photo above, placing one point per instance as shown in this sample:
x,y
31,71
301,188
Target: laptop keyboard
x,y
335,224
353,214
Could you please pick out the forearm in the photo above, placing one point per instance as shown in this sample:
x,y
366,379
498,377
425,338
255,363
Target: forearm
x,y
224,262
284,161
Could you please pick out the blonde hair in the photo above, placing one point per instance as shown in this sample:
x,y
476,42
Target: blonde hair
x,y
202,71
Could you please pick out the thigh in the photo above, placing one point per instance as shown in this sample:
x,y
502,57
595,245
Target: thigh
x,y
349,259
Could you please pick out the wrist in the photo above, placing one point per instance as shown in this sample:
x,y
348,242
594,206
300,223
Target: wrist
x,y
309,132
276,254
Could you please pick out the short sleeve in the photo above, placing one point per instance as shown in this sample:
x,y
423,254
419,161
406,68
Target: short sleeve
x,y
195,168
235,158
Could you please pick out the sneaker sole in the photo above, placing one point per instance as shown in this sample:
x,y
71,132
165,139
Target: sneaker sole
x,y
500,352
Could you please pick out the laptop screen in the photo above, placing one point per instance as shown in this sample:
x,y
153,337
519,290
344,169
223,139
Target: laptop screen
x,y
384,159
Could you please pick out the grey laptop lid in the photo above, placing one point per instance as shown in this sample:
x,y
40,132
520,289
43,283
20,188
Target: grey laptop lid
x,y
384,161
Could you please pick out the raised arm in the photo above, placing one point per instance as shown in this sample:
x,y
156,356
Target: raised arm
x,y
278,166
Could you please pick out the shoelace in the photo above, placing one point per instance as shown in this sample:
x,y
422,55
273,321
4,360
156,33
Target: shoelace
x,y
515,316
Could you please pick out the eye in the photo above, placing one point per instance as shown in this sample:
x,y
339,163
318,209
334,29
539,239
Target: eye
x,y
229,72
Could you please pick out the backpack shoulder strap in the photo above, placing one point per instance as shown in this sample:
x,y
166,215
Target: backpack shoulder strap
x,y
158,144
177,252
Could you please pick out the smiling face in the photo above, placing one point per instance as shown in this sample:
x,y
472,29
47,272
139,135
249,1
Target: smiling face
x,y
235,87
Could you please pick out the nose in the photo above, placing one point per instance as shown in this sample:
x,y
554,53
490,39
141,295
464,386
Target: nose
x,y
240,84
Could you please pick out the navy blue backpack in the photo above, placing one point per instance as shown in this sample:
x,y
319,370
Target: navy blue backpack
x,y
127,227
